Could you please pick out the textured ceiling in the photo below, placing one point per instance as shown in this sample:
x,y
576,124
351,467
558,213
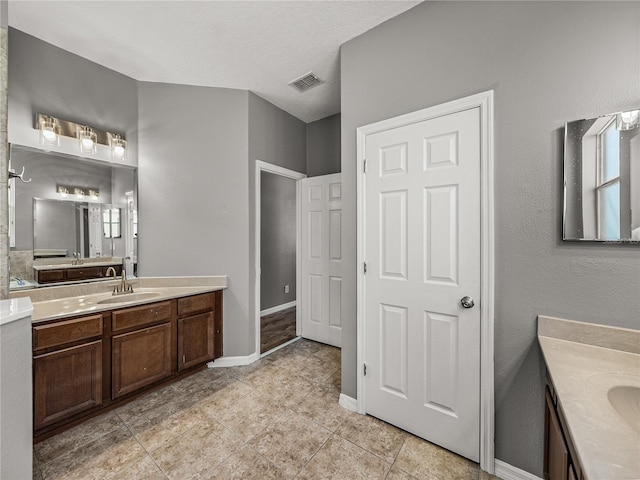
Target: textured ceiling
x,y
254,45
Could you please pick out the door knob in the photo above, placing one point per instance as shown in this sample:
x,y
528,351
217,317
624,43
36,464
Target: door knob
x,y
467,302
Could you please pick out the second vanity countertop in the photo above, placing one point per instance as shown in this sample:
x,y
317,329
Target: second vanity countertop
x,y
593,368
57,302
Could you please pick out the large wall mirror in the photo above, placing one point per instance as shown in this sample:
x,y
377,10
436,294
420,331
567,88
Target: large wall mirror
x,y
73,210
602,179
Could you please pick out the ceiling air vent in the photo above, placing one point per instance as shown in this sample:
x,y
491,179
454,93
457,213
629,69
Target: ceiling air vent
x,y
305,82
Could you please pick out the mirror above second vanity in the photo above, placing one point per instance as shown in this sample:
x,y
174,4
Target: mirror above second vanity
x,y
602,179
71,219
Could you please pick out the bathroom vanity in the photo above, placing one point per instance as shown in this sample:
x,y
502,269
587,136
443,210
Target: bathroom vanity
x,y
94,351
592,426
61,273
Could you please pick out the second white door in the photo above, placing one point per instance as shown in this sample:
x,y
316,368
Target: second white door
x,y
321,259
422,251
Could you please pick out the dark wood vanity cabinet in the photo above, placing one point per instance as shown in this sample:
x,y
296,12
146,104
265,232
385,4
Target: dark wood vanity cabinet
x,y
83,365
196,337
72,274
59,348
140,347
560,460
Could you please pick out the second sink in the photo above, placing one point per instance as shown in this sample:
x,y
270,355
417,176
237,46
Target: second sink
x,y
625,399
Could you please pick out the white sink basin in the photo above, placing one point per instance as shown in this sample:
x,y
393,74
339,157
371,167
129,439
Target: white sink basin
x,y
625,400
129,297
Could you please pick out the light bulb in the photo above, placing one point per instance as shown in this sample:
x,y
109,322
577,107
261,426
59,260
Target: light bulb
x,y
49,135
630,117
87,143
118,151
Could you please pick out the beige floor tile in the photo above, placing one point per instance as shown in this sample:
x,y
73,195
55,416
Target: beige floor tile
x,y
330,353
290,441
76,437
148,402
425,460
308,346
196,453
142,469
373,435
247,464
35,466
341,459
335,380
396,474
199,380
161,430
241,372
315,369
248,416
288,390
269,373
98,459
321,405
210,401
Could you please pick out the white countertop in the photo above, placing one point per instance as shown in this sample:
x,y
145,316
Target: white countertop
x,y
57,302
58,266
14,309
583,374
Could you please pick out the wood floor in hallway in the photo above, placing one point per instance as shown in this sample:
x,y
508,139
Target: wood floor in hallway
x,y
277,328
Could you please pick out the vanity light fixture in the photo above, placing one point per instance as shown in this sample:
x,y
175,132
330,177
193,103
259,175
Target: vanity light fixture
x,y
118,146
87,138
80,192
63,191
49,130
628,120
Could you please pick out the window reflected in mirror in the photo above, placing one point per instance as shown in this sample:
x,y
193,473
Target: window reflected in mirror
x,y
602,178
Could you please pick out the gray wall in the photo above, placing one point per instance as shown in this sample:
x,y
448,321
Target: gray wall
x,y
278,138
46,79
548,63
277,240
323,146
193,193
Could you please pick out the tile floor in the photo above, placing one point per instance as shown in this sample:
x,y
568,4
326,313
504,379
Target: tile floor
x,y
278,418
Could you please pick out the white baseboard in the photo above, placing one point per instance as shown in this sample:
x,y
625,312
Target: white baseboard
x,y
275,349
348,402
277,308
508,472
233,361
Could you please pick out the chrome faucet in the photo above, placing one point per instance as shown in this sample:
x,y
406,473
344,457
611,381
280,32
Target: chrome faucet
x,y
78,260
124,286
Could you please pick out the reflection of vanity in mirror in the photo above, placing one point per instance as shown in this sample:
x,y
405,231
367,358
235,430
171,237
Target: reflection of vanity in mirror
x,y
72,221
602,178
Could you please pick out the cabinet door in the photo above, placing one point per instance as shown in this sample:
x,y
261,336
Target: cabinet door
x,y
140,358
66,382
556,454
195,340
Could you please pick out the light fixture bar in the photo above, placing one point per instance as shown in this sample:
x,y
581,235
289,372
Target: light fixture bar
x,y
67,128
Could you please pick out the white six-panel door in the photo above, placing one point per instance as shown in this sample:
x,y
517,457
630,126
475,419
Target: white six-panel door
x,y
321,259
422,251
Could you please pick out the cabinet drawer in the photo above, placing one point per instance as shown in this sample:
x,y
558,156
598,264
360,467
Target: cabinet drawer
x,y
195,304
46,276
139,316
68,331
84,273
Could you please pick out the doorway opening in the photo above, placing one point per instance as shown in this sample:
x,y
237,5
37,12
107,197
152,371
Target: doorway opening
x,y
277,256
